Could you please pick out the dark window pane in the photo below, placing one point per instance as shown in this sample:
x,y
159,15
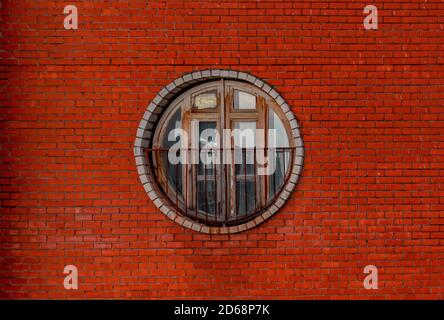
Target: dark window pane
x,y
279,156
245,197
276,179
206,197
244,161
173,172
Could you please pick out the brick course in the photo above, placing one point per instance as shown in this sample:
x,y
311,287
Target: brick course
x,y
370,109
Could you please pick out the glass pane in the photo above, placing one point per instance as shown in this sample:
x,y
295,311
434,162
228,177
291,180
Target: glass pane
x,y
207,145
277,135
206,100
245,195
244,143
280,165
173,172
206,196
244,134
244,100
279,154
206,173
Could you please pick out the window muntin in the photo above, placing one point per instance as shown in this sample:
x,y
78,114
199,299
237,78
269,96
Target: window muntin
x,y
216,193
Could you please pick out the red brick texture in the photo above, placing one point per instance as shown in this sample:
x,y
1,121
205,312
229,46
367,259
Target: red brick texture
x,y
370,108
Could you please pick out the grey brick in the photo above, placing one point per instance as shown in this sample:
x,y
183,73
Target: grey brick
x,y
267,214
233,74
206,73
233,229
141,170
137,151
258,220
139,161
140,132
295,131
299,142
297,169
293,178
267,88
285,107
142,123
280,101
153,195
205,229
251,78
163,92
158,202
224,73
187,78
251,224
300,151
157,100
215,73
171,87
290,116
285,195
187,223
147,115
273,93
143,179
290,185
242,75
179,220
196,75
147,186
259,83
178,82
242,227
138,142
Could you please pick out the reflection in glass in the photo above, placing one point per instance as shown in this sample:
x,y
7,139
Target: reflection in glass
x,y
206,172
173,172
244,100
206,100
278,157
245,195
244,141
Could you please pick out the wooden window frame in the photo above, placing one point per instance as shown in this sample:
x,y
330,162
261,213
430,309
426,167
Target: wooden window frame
x,y
225,115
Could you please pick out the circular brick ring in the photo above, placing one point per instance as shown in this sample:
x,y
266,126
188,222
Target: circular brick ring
x,y
147,127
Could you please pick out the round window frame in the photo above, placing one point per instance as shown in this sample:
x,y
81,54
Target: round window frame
x,y
145,135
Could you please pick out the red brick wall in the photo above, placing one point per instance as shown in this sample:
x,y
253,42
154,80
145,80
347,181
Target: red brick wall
x,y
370,105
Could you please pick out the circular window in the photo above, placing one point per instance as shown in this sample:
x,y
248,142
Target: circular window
x,y
220,156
